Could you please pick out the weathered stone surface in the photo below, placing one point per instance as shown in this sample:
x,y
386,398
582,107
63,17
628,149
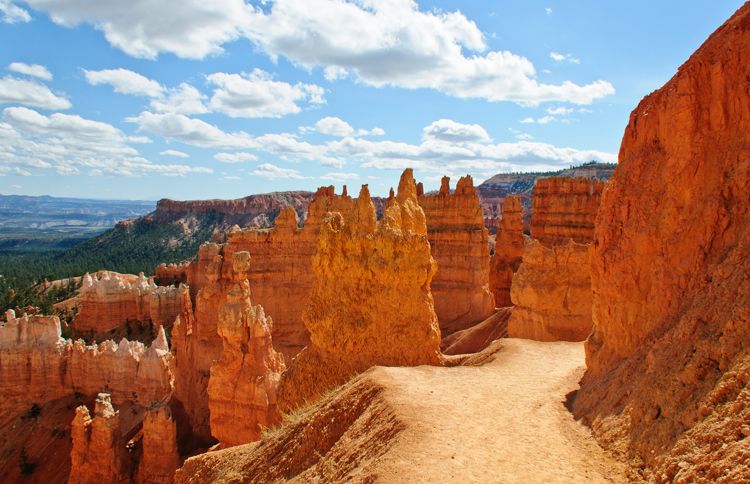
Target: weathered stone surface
x,y
371,303
108,301
551,293
244,380
668,362
565,208
459,243
98,454
479,336
508,251
159,454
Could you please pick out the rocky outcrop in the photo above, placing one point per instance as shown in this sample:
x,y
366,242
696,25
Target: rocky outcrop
x,y
244,380
508,251
98,454
479,336
159,458
371,302
38,365
565,208
110,301
171,274
551,293
459,244
668,361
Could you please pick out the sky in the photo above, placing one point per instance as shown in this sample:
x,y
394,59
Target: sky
x,y
190,99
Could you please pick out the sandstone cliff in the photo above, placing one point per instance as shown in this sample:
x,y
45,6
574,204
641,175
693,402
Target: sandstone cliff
x,y
668,362
159,458
459,244
244,380
371,302
508,251
551,293
565,208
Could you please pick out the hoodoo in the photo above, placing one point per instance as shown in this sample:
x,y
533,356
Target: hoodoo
x,y
508,251
668,366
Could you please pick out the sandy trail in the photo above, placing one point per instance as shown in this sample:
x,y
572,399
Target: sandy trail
x,y
501,422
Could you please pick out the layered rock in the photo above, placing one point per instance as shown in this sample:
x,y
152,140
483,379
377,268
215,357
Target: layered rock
x,y
159,458
244,380
171,274
107,302
371,302
459,243
509,246
551,293
98,454
565,208
668,361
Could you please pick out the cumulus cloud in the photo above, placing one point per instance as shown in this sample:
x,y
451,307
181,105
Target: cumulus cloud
x,y
183,99
340,176
125,81
70,143
178,154
334,126
11,13
273,172
30,93
190,131
34,70
558,57
258,95
451,131
239,157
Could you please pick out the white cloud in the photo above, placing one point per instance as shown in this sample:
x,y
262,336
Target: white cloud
x,y
558,57
190,131
34,70
125,81
451,131
235,157
393,43
178,154
12,14
189,29
257,95
560,111
527,120
545,119
287,147
334,126
548,10
70,143
183,99
340,176
273,172
30,93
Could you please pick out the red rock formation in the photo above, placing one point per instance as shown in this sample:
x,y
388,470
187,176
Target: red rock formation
x,y
371,303
551,293
479,336
508,251
668,362
459,243
159,457
171,274
109,301
98,454
565,208
244,380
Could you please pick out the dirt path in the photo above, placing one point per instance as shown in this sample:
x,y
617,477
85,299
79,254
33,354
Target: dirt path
x,y
501,422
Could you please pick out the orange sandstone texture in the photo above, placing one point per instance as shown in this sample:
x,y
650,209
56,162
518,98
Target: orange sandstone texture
x,y
371,302
668,360
159,447
565,208
459,243
508,251
551,293
244,380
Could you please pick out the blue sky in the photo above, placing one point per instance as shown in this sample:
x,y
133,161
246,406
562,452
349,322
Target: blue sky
x,y
190,99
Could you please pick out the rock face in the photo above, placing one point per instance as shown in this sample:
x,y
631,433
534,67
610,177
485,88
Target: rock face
x,y
98,453
668,362
244,380
109,301
565,208
371,302
160,458
459,243
38,365
508,251
551,293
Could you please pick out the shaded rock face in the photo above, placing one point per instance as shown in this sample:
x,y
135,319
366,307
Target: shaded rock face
x,y
565,208
109,301
668,361
159,458
551,293
244,380
459,243
38,365
371,302
508,251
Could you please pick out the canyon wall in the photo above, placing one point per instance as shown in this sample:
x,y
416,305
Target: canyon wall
x,y
508,251
159,457
459,243
371,302
565,208
668,371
